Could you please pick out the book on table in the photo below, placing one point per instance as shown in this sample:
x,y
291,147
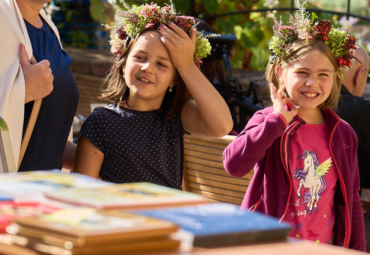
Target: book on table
x,y
87,231
221,224
10,210
44,247
127,195
28,184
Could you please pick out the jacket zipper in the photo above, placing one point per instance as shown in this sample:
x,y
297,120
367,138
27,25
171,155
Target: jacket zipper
x,y
346,242
286,171
254,207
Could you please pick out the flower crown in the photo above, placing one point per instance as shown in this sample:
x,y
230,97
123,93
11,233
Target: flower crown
x,y
150,16
341,43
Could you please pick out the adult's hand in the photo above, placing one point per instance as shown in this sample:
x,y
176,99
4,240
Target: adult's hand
x,y
38,77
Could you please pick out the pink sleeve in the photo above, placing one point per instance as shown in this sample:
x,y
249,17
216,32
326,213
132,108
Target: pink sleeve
x,y
251,145
282,117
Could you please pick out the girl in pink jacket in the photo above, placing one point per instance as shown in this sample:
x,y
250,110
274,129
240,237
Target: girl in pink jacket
x,y
303,154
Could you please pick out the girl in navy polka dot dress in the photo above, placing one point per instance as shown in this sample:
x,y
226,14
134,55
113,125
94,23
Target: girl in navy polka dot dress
x,y
139,137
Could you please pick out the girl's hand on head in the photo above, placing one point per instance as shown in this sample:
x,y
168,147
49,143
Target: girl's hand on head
x,y
180,46
279,103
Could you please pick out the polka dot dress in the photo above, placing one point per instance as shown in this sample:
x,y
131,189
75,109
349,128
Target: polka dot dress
x,y
137,146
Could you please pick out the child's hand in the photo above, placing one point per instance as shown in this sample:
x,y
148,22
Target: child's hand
x,y
279,103
179,44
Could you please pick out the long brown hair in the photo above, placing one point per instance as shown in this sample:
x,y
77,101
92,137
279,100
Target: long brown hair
x,y
297,51
115,89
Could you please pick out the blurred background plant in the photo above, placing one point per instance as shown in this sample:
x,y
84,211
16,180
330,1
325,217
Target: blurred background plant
x,y
252,29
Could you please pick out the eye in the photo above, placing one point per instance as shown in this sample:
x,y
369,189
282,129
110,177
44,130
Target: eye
x,y
324,74
301,72
138,57
161,64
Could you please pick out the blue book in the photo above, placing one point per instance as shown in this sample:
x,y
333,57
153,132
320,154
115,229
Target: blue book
x,y
221,224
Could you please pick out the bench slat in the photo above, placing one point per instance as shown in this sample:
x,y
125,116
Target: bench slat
x,y
219,198
204,143
202,155
204,149
224,192
212,183
219,178
204,162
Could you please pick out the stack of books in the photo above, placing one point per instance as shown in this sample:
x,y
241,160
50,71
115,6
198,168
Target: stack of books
x,y
10,210
221,224
78,231
127,196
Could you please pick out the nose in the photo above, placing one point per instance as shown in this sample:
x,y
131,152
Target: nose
x,y
311,81
147,66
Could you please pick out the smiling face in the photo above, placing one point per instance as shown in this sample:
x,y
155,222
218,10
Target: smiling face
x,y
309,81
149,71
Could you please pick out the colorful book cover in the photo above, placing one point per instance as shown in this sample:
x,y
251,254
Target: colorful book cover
x,y
128,195
9,210
30,183
221,224
82,226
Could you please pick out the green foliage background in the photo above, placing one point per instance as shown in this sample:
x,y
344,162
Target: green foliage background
x,y
253,30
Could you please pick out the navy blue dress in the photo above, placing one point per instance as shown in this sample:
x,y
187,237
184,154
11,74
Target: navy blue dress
x,y
137,146
47,143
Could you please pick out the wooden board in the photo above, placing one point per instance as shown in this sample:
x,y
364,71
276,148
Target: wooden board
x,y
204,172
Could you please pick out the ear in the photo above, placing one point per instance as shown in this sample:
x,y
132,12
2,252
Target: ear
x,y
279,71
359,75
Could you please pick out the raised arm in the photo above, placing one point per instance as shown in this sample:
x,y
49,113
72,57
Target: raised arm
x,y
250,146
259,134
208,114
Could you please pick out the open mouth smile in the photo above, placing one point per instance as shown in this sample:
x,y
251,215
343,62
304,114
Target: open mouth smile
x,y
310,95
143,80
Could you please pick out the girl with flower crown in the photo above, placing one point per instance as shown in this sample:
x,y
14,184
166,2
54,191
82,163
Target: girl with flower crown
x,y
140,136
303,154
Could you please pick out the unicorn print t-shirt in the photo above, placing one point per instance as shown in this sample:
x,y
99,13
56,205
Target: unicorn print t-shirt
x,y
313,174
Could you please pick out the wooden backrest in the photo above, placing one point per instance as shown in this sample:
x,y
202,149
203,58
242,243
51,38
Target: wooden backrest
x,y
204,172
90,88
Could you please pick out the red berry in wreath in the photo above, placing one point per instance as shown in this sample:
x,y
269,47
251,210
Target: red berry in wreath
x,y
319,27
353,46
323,32
340,61
344,62
325,38
349,63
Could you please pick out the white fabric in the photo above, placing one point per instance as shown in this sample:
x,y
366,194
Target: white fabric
x,y
13,32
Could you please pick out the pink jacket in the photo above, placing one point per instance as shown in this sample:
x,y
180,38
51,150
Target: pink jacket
x,y
264,145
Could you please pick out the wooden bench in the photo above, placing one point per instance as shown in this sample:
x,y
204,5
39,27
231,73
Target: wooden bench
x,y
90,88
204,172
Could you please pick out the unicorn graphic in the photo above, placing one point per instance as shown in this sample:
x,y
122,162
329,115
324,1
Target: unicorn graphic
x,y
312,177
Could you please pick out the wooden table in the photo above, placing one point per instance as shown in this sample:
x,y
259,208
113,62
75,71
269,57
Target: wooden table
x,y
284,248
